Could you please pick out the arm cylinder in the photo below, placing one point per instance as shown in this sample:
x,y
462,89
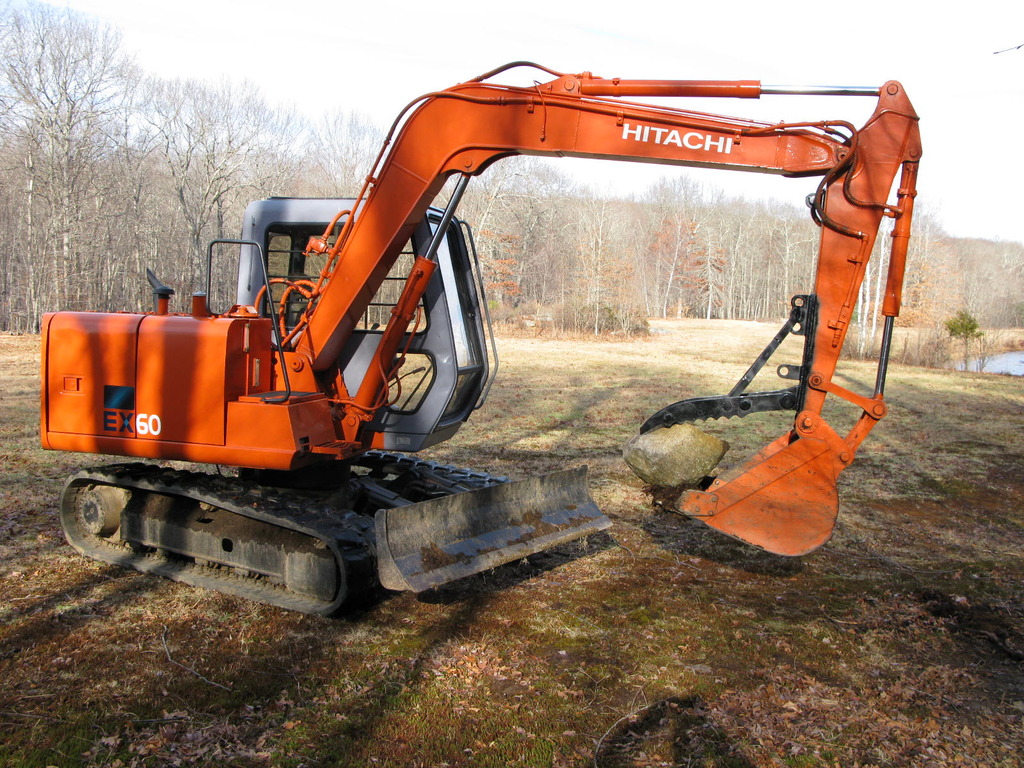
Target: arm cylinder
x,y
734,89
737,89
819,90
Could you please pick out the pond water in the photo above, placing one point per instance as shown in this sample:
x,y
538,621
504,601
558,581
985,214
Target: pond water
x,y
1008,362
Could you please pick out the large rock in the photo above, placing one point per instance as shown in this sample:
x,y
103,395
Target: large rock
x,y
679,455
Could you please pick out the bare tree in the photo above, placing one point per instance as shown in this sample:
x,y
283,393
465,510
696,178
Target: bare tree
x,y
65,84
517,210
220,145
677,214
341,148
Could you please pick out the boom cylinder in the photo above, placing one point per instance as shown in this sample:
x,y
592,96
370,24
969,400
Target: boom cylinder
x,y
900,241
382,366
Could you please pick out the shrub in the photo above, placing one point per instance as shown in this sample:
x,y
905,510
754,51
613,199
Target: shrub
x,y
963,326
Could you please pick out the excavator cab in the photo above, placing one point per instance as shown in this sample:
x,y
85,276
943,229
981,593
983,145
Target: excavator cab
x,y
449,361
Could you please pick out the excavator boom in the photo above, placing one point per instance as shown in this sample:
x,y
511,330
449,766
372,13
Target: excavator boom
x,y
784,499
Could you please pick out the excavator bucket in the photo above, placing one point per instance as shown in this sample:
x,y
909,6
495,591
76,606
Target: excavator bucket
x,y
424,545
783,499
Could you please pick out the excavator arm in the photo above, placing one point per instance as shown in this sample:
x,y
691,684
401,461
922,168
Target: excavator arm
x,y
784,498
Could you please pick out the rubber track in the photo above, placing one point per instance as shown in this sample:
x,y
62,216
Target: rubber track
x,y
348,534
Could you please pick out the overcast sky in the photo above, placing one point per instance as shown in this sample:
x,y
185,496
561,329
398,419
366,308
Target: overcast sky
x,y
375,57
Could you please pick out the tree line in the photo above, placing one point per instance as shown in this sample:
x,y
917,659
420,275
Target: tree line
x,y
106,171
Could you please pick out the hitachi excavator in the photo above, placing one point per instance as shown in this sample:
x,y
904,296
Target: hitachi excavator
x,y
359,336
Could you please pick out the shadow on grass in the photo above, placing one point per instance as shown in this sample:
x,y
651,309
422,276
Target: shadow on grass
x,y
675,729
136,647
684,536
511,574
386,718
44,619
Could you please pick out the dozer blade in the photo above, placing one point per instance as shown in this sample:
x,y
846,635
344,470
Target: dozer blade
x,y
424,545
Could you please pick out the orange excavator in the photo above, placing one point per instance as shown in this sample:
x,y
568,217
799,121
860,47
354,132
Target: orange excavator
x,y
360,336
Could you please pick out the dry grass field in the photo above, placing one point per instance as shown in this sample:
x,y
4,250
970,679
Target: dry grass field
x,y
660,643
